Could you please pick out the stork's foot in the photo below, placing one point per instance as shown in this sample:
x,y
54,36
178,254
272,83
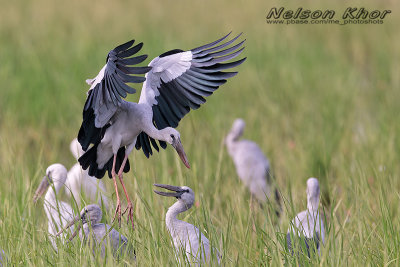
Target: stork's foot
x,y
118,213
129,211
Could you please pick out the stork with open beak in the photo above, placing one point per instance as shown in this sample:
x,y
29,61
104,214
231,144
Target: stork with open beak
x,y
185,236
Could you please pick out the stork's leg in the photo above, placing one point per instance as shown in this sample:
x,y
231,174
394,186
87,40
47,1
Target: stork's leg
x,y
118,208
129,208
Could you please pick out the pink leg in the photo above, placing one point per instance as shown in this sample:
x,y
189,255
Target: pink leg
x,y
117,213
129,208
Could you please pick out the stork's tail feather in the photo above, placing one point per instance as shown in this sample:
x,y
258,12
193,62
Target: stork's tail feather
x,y
278,202
278,207
89,160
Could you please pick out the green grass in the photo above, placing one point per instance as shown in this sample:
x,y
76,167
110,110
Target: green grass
x,y
321,100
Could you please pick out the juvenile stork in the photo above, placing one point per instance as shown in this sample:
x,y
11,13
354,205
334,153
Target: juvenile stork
x,y
79,181
88,225
185,236
175,82
58,212
308,227
252,166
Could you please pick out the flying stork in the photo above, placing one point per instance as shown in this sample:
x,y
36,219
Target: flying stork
x,y
175,82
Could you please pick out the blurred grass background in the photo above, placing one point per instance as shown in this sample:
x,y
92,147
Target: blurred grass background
x,y
321,100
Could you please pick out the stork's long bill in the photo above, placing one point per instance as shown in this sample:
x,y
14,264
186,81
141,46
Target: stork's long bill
x,y
181,152
41,189
73,222
177,190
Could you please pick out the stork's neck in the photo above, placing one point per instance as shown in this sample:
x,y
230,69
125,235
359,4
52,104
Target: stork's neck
x,y
50,199
173,211
312,203
231,142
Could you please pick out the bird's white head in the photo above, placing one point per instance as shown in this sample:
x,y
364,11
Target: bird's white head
x,y
312,194
76,148
173,137
237,129
56,174
183,194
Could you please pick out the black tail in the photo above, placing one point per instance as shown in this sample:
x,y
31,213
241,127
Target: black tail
x,y
278,202
278,206
89,160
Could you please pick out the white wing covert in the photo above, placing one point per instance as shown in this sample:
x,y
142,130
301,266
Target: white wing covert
x,y
180,80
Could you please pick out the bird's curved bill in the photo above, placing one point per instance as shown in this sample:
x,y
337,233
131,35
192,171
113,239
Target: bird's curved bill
x,y
44,184
75,220
177,190
181,152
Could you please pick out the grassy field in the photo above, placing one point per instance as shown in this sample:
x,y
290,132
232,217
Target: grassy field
x,y
321,100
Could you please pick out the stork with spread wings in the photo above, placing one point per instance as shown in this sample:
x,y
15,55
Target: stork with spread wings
x,y
175,82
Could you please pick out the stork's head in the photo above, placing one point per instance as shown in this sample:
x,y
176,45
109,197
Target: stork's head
x,y
56,175
183,193
312,194
91,213
237,129
173,137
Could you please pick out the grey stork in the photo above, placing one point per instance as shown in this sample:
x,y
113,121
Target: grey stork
x,y
252,166
308,226
87,224
175,82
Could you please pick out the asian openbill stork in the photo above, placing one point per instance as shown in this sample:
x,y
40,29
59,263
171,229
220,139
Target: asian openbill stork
x,y
308,227
252,166
175,82
79,181
88,225
58,213
186,236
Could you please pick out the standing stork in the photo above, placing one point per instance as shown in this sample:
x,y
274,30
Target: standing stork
x,y
252,166
58,212
79,180
87,224
175,82
308,226
185,236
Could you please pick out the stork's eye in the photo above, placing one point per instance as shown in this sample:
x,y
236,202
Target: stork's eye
x,y
172,136
86,211
187,191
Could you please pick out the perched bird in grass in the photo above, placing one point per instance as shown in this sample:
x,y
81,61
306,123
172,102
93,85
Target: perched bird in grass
x,y
307,228
252,166
88,225
58,212
79,181
175,82
186,237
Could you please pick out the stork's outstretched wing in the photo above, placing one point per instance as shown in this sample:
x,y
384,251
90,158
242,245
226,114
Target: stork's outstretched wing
x,y
179,81
107,88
